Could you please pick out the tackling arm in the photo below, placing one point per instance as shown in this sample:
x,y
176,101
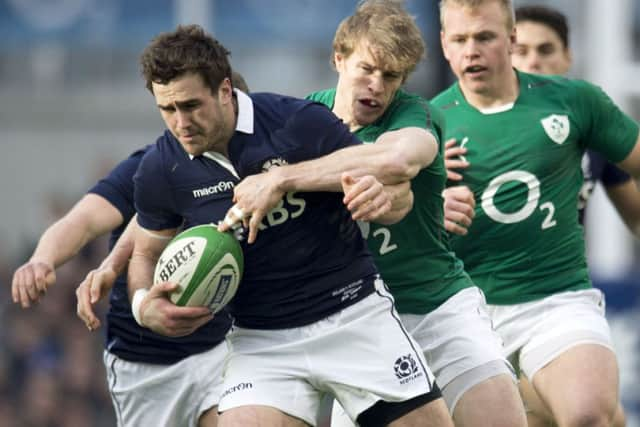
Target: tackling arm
x,y
396,156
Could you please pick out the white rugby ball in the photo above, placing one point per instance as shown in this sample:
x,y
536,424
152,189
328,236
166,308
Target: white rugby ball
x,y
206,264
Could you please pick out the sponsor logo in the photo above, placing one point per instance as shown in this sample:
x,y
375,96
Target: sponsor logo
x,y
349,292
406,369
235,388
180,257
271,163
557,127
220,187
223,285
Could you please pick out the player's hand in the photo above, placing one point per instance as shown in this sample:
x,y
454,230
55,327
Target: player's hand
x,y
31,282
254,197
459,209
93,288
365,197
454,159
159,314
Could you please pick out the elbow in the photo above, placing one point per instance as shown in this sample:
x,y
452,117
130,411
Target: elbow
x,y
400,167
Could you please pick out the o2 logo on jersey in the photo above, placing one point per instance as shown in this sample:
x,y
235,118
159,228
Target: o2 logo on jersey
x,y
385,244
533,197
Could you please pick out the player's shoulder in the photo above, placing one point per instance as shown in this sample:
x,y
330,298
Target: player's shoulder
x,y
278,105
326,97
165,150
295,114
555,85
448,98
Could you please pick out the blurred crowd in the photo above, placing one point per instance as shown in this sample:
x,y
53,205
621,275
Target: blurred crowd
x,y
51,370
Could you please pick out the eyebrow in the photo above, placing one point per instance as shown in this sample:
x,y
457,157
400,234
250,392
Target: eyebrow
x,y
179,104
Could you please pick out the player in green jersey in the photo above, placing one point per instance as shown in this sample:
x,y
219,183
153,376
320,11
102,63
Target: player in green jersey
x,y
542,47
375,51
437,301
524,137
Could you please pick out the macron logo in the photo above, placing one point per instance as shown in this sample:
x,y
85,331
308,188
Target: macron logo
x,y
220,187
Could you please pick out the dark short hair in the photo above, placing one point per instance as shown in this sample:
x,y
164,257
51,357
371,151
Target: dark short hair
x,y
187,49
552,18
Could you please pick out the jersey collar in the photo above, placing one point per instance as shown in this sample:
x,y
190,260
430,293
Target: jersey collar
x,y
245,112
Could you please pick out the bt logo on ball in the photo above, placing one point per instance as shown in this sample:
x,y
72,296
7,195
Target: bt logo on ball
x,y
180,257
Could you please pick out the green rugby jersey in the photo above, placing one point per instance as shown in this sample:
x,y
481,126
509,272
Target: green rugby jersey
x,y
525,242
413,256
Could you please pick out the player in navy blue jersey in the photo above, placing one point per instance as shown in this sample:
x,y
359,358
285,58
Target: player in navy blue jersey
x,y
310,291
182,374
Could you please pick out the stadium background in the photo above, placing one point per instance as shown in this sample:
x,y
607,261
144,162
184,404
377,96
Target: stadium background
x,y
73,104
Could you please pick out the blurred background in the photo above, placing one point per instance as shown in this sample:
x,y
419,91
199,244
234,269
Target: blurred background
x,y
73,104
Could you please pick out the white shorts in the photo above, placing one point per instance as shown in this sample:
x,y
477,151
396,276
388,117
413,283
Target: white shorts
x,y
459,343
537,332
146,394
361,355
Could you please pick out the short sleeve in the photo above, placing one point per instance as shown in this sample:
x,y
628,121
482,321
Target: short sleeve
x,y
152,194
607,129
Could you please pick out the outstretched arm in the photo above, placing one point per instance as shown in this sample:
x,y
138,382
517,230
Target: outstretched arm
x,y
396,156
631,164
626,199
99,282
91,217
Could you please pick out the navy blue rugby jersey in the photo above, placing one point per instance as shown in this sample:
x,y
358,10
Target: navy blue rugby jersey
x,y
309,259
596,168
124,337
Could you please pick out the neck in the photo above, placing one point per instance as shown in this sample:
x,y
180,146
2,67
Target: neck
x,y
342,109
503,93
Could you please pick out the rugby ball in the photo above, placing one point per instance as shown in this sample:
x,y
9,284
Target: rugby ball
x,y
206,264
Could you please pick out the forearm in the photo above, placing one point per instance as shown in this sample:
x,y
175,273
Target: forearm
x,y
396,157
61,242
91,217
147,247
119,256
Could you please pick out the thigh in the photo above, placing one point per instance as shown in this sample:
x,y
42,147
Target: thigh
x,y
586,372
433,414
459,344
564,321
258,416
181,391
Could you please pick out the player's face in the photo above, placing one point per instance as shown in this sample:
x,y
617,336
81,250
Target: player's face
x,y
477,44
539,50
199,119
365,87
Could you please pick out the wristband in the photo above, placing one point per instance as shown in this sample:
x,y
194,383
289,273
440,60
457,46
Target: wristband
x,y
138,296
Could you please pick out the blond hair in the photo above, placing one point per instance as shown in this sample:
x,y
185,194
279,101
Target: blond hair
x,y
391,33
506,5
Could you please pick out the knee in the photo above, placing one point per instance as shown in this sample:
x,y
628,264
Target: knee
x,y
588,417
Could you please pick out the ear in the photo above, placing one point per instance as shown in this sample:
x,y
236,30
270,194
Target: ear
x,y
513,37
225,91
569,56
338,60
443,43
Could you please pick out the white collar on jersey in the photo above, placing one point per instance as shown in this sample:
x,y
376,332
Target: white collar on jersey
x,y
245,112
498,109
244,124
